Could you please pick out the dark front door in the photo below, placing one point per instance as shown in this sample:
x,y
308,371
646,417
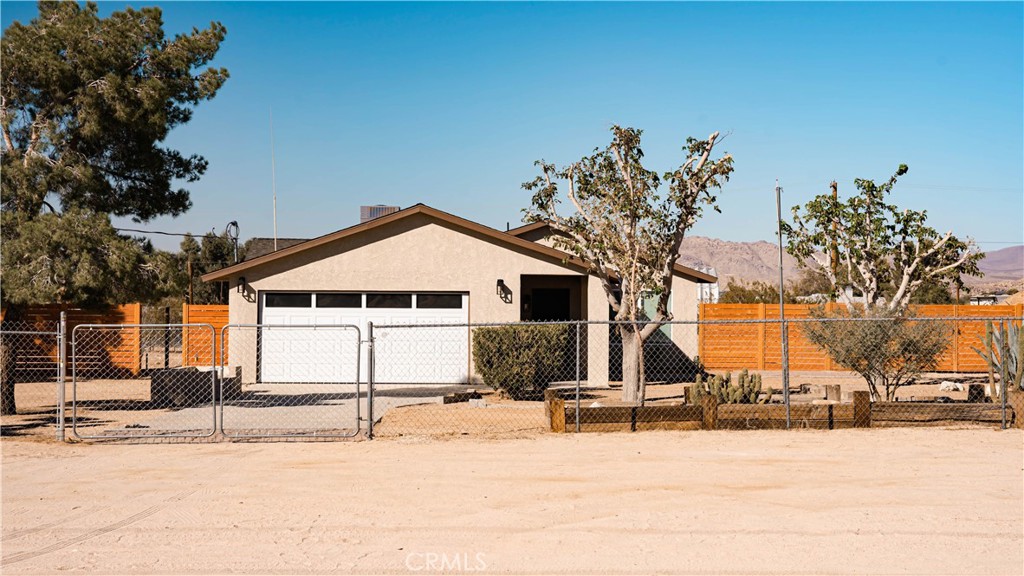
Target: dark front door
x,y
551,304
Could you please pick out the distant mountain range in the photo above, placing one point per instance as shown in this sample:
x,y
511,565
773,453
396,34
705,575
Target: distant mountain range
x,y
759,261
1005,265
742,261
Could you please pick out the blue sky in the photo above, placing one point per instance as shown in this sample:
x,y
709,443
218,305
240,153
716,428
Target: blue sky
x,y
450,104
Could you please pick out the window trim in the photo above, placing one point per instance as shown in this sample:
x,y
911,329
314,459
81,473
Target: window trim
x,y
268,295
459,295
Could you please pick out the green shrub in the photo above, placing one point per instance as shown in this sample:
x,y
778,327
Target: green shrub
x,y
888,348
523,359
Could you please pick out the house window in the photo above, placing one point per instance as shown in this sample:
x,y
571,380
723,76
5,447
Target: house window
x,y
339,300
289,300
439,301
387,300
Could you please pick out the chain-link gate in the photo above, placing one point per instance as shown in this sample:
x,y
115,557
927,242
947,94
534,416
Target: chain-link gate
x,y
31,359
115,396
291,381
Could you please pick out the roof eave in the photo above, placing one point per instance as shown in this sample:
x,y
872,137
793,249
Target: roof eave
x,y
236,269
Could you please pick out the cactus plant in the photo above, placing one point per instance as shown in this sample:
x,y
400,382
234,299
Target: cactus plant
x,y
1004,354
746,389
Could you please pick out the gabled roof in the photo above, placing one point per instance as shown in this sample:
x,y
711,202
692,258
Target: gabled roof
x,y
685,271
256,247
501,237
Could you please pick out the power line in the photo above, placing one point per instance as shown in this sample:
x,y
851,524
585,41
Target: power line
x,y
154,232
231,230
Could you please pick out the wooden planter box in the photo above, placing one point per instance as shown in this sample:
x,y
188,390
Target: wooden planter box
x,y
862,413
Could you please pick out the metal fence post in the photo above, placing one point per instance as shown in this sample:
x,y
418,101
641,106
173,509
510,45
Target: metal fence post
x,y
62,358
370,363
578,327
785,371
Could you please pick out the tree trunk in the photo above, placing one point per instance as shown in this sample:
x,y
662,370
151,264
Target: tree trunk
x,y
8,406
633,382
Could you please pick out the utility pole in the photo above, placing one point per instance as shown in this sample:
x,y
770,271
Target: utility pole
x,y
782,308
231,231
273,174
188,267
834,252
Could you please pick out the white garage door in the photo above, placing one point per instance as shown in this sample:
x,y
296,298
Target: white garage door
x,y
412,355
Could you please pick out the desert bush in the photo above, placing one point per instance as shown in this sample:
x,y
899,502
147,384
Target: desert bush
x,y
746,389
523,359
888,348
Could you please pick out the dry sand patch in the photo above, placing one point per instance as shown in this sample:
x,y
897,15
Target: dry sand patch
x,y
915,501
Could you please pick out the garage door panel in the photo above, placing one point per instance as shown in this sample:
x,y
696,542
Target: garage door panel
x,y
413,355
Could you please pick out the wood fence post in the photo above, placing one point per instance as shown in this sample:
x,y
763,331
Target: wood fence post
x,y
862,409
135,317
185,334
709,409
1015,402
956,338
557,407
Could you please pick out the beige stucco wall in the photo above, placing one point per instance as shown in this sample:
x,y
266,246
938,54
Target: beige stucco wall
x,y
418,253
421,253
684,308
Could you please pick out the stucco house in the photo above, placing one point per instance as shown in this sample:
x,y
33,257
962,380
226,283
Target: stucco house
x,y
421,265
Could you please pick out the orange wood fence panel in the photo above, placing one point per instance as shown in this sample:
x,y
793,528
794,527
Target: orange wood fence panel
x,y
730,346
196,347
970,334
121,351
758,344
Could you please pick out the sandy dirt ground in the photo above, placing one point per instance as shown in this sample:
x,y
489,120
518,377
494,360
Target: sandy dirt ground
x,y
888,501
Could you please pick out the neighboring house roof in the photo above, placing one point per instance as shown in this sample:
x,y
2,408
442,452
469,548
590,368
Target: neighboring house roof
x,y
452,220
527,228
256,247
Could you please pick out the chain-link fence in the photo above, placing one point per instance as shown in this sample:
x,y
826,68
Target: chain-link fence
x,y
114,394
291,381
480,379
592,376
310,382
30,363
904,365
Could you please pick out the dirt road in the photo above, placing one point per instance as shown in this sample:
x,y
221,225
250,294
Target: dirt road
x,y
908,501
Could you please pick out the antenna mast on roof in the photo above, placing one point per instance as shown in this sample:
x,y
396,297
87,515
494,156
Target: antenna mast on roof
x,y
273,174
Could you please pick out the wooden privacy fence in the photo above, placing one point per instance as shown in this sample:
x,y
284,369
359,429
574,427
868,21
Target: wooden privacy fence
x,y
196,347
40,353
757,345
